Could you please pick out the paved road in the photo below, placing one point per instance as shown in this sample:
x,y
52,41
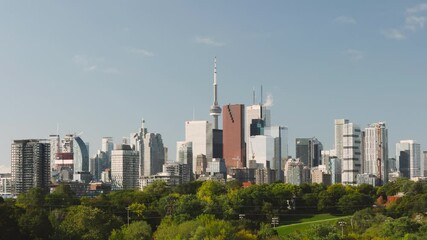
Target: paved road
x,y
317,221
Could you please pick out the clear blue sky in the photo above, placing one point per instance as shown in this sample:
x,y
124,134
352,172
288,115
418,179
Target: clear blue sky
x,y
98,67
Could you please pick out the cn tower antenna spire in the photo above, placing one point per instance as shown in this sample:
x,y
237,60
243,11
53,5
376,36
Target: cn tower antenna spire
x,y
215,110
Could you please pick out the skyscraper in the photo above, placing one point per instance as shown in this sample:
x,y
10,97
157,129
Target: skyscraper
x,y
184,155
278,133
54,149
408,158
262,150
339,126
151,151
425,163
351,153
255,112
30,163
309,151
234,149
376,151
81,160
200,134
124,167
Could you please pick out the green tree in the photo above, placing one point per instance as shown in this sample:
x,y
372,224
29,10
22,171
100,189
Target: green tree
x,y
189,205
139,230
367,189
210,190
8,223
33,218
35,224
82,222
63,196
266,232
397,229
34,198
328,199
353,202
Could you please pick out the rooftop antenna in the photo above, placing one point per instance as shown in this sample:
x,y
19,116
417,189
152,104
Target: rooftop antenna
x,y
253,96
260,101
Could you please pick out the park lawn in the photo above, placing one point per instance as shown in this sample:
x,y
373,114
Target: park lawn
x,y
304,223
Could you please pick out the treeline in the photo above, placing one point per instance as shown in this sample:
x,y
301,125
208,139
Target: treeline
x,y
197,210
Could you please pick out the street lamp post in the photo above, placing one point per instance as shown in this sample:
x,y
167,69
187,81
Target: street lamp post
x,y
342,224
275,221
127,209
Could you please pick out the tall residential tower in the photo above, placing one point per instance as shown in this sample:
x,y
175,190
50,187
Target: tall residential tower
x,y
376,151
30,165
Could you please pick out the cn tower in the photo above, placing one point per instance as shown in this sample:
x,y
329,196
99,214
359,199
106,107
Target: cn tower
x,y
215,110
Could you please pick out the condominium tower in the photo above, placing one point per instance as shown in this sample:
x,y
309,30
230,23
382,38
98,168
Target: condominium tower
x,y
376,151
351,150
30,165
124,167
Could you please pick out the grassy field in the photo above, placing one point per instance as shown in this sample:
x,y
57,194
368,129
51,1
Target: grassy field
x,y
305,221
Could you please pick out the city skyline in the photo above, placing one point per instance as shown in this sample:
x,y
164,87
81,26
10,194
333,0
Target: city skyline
x,y
100,68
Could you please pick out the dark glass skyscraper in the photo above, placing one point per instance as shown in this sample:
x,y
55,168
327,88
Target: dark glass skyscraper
x,y
309,150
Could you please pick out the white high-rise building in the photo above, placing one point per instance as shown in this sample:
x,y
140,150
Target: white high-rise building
x,y
339,128
124,168
54,149
376,151
107,144
200,134
261,148
408,158
184,153
425,164
351,153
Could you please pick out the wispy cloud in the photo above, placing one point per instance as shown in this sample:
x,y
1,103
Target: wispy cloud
x,y
354,55
269,100
142,52
394,33
209,41
90,64
413,22
345,20
418,8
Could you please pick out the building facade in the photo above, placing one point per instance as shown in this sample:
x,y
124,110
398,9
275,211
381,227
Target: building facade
x,y
376,151
309,151
30,165
200,134
339,138
234,147
124,167
351,153
408,158
81,160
